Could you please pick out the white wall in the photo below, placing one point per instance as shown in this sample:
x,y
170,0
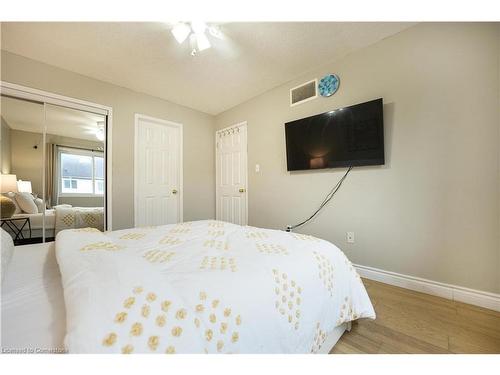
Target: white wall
x,y
433,210
5,158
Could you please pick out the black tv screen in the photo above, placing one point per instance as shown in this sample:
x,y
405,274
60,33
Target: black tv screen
x,y
349,136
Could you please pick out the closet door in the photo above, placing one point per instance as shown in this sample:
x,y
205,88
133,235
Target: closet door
x,y
231,174
22,135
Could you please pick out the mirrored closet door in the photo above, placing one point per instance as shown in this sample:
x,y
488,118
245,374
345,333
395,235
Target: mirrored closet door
x,y
53,161
22,209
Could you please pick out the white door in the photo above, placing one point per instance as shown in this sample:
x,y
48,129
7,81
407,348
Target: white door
x,y
158,171
231,174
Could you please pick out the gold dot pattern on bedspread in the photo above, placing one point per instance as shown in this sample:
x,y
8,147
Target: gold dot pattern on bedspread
x,y
165,305
136,329
221,329
266,248
325,270
129,302
120,317
110,339
109,246
347,313
176,331
215,244
153,342
256,235
158,256
218,263
68,220
170,241
304,237
161,320
180,230
145,310
352,269
151,323
181,314
216,224
319,339
133,236
86,230
216,233
288,298
127,349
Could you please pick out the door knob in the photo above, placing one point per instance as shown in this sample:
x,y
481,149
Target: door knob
x,y
242,190
174,191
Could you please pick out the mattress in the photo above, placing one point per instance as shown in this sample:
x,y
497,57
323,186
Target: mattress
x,y
33,312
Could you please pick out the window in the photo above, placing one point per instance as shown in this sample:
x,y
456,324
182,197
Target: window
x,y
81,172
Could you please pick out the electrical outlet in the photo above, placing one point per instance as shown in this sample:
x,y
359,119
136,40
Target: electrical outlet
x,y
350,237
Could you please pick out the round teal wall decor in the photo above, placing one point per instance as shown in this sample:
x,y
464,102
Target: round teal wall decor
x,y
328,85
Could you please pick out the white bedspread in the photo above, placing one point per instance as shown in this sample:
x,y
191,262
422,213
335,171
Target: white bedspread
x,y
33,313
204,286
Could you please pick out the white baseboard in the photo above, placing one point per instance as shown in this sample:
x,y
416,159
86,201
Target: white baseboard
x,y
453,292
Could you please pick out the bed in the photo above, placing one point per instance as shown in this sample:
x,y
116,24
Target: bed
x,y
197,287
33,312
62,217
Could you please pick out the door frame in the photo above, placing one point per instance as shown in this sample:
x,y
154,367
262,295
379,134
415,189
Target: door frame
x,y
28,93
137,118
242,124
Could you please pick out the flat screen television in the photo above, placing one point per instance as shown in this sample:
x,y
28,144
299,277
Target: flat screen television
x,y
349,136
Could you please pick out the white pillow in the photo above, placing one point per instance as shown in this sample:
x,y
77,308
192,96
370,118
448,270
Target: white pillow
x,y
6,251
12,197
27,203
40,204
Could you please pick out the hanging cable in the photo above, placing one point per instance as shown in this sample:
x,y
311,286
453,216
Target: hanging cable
x,y
328,198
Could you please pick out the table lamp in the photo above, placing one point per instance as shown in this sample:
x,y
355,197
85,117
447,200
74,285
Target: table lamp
x,y
24,186
8,183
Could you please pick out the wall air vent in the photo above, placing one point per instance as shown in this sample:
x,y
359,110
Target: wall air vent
x,y
303,93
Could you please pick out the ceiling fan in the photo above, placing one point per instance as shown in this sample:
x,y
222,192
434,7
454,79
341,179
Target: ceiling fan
x,y
196,31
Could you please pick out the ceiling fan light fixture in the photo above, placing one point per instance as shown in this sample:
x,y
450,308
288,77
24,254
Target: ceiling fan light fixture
x,y
180,32
197,32
193,44
215,32
202,41
198,27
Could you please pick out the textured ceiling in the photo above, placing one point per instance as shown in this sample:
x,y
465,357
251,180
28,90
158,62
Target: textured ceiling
x,y
253,58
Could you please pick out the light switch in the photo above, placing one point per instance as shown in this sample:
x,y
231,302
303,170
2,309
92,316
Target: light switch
x,y
257,168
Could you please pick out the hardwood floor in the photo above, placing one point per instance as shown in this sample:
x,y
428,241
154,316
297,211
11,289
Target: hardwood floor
x,y
412,322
